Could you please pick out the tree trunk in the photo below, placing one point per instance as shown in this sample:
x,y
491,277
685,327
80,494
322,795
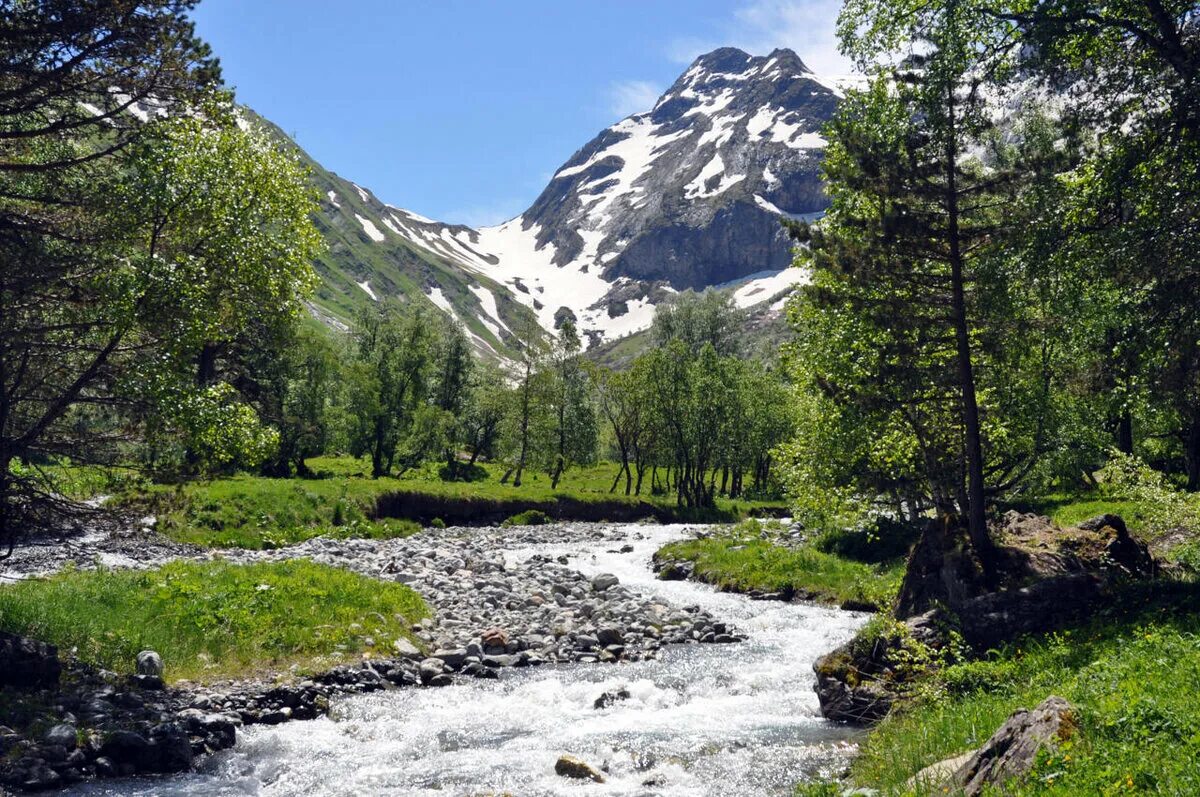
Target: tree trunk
x,y
377,468
8,531
524,426
1191,451
302,469
1125,432
206,364
976,517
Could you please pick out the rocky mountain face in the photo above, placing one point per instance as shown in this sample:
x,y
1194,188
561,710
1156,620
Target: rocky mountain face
x,y
690,192
686,195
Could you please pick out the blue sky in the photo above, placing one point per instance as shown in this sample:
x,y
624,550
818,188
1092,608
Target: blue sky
x,y
462,109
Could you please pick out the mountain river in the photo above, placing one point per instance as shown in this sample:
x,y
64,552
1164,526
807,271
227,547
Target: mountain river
x,y
736,720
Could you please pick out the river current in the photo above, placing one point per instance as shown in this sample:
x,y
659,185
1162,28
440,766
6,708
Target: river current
x,y
719,720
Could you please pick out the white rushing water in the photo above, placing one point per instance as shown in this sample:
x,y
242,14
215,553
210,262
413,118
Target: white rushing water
x,y
737,720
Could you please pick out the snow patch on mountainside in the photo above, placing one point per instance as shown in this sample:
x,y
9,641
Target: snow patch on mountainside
x,y
439,298
491,311
373,232
761,287
532,276
697,189
366,286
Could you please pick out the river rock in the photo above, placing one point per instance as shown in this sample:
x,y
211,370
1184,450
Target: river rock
x,y
453,659
62,735
149,663
405,649
126,747
27,663
604,581
170,749
568,766
494,640
606,699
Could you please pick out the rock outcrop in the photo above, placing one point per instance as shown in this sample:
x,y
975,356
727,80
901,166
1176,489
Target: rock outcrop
x,y
1009,754
1012,750
1047,578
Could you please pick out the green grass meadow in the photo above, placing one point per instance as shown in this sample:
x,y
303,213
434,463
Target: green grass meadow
x,y
256,512
740,560
214,620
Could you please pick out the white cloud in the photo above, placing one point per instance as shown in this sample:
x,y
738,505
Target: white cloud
x,y
632,96
759,26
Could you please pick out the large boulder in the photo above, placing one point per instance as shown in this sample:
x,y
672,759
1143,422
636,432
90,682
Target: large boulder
x,y
27,663
1012,750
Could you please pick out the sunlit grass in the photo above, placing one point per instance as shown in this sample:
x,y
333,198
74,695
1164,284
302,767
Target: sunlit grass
x,y
214,619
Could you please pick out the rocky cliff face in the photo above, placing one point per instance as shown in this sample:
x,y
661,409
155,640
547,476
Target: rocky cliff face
x,y
690,192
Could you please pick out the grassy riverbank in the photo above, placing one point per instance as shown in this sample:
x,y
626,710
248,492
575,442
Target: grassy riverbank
x,y
741,560
214,620
255,512
1132,674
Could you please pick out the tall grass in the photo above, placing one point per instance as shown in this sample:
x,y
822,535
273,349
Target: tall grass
x,y
742,561
214,619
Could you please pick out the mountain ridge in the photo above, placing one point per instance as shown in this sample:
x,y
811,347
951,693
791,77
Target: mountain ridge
x,y
686,195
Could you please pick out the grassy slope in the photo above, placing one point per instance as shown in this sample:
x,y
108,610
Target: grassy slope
x,y
214,620
742,561
1133,674
256,512
393,266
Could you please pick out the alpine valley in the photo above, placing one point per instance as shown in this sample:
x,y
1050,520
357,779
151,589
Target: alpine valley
x,y
687,195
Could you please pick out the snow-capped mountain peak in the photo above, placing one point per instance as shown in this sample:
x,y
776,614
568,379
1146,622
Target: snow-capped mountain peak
x,y
686,194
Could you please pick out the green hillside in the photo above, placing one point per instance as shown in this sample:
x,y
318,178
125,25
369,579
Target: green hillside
x,y
391,265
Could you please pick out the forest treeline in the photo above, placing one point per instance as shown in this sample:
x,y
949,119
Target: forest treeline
x,y
403,389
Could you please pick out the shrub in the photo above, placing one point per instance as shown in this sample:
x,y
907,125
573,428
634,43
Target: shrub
x,y
881,540
1126,477
530,517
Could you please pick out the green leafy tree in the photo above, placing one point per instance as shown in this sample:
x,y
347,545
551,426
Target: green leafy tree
x,y
294,384
574,427
527,412
624,403
488,403
699,318
905,246
389,382
452,390
64,329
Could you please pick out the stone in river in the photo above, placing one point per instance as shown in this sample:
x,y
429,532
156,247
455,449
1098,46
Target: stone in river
x,y
568,766
604,581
